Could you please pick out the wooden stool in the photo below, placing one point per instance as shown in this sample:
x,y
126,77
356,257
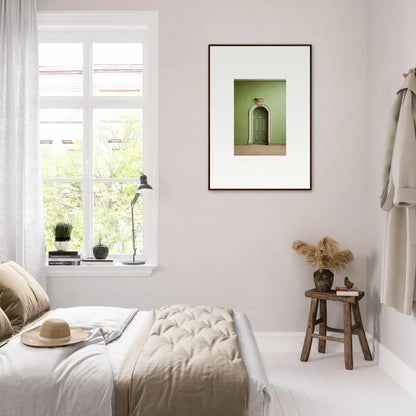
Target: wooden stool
x,y
349,329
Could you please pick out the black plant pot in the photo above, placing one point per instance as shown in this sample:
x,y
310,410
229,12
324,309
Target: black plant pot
x,y
323,280
100,252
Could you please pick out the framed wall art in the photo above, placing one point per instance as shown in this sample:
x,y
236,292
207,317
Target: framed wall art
x,y
260,117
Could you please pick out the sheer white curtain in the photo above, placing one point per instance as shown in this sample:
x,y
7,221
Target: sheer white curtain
x,y
21,211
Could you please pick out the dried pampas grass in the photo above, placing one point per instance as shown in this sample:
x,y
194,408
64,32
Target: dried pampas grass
x,y
326,255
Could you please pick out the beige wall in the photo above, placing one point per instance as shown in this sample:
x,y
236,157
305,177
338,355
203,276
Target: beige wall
x,y
233,248
391,47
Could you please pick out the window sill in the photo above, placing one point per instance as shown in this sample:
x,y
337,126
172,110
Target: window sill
x,y
116,270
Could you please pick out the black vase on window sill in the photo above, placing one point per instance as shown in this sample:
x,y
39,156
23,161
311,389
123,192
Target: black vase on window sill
x,y
323,280
100,251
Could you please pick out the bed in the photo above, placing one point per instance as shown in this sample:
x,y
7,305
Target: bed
x,y
82,379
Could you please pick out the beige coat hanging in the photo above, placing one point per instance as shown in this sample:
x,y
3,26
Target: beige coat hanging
x,y
399,200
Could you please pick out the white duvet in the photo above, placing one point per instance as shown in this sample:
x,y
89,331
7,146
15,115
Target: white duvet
x,y
79,379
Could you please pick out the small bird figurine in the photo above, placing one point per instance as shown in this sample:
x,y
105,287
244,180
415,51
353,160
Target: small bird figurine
x,y
347,283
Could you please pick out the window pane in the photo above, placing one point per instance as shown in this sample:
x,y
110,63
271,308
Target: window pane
x,y
61,143
112,216
117,69
60,69
63,202
117,143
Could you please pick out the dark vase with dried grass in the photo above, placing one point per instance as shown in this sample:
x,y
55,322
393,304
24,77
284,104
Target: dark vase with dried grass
x,y
326,256
323,280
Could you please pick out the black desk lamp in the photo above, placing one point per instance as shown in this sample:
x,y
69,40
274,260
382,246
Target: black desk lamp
x,y
141,189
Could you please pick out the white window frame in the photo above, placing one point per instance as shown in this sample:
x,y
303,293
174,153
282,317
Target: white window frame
x,y
108,26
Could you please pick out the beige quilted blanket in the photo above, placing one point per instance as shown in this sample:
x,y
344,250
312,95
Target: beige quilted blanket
x,y
186,361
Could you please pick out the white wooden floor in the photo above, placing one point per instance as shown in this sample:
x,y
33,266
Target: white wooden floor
x,y
323,387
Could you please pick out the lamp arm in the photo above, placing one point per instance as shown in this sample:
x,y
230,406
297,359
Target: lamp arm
x,y
132,231
144,186
135,198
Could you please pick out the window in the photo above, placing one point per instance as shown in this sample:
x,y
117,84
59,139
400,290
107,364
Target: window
x,y
98,127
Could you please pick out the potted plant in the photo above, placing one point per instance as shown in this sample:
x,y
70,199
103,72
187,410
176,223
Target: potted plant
x,y
326,255
62,231
100,250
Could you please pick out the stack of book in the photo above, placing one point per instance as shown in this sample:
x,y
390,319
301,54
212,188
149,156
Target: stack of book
x,y
91,261
64,258
344,291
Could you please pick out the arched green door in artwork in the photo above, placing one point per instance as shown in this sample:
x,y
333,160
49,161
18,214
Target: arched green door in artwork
x,y
260,125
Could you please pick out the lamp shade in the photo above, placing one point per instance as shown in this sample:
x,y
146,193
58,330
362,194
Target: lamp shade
x,y
144,186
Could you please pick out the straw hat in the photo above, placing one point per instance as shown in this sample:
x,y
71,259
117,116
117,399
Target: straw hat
x,y
53,333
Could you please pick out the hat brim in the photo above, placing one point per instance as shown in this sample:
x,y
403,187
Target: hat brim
x,y
31,338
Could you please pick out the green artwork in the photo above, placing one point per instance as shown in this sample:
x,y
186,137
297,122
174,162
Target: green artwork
x,y
259,117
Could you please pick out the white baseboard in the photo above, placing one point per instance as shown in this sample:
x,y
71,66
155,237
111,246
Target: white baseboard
x,y
399,371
